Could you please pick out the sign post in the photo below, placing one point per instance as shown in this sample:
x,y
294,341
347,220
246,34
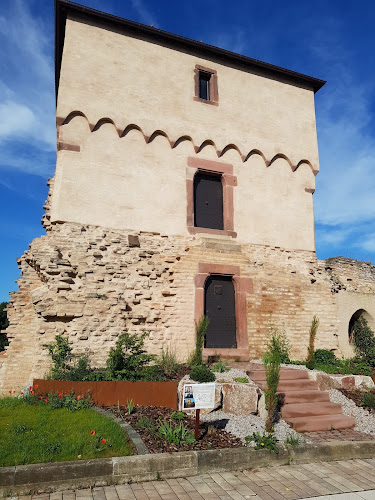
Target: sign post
x,y
196,397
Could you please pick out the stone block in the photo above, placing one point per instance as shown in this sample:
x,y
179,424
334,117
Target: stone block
x,y
240,399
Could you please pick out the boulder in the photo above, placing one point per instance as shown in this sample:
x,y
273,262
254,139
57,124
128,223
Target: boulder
x,y
240,399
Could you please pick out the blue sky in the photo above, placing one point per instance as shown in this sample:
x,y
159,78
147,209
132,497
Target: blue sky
x,y
333,40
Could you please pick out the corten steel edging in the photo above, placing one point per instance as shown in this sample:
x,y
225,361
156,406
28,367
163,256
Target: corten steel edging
x,y
117,392
23,479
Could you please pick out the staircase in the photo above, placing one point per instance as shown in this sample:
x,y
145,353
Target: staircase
x,y
305,408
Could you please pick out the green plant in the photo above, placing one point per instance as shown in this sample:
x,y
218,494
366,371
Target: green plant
x,y
130,405
61,355
272,366
293,439
201,373
220,366
310,361
201,330
241,380
178,415
175,433
263,441
147,423
167,362
278,345
364,341
368,399
324,356
128,360
68,400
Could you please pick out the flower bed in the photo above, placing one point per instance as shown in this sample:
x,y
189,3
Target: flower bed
x,y
155,424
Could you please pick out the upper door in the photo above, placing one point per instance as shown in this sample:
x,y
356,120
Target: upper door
x,y
208,201
220,308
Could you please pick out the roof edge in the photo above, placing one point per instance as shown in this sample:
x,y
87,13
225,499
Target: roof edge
x,y
62,7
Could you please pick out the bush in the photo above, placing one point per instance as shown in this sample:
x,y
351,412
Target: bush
x,y
219,366
167,362
325,357
201,373
272,366
201,330
61,354
364,341
278,345
368,399
310,362
128,360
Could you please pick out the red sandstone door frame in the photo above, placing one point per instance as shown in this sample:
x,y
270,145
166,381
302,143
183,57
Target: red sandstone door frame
x,y
242,286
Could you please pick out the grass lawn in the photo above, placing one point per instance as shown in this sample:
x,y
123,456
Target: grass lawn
x,y
34,434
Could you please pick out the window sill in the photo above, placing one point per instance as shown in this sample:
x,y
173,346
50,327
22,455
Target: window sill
x,y
205,101
207,230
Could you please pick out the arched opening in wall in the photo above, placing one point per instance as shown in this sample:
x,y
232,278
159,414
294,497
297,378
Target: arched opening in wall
x,y
3,325
220,307
360,313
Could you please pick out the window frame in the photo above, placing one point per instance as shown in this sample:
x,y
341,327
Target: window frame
x,y
225,170
213,92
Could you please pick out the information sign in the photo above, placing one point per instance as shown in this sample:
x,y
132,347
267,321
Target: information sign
x,y
198,396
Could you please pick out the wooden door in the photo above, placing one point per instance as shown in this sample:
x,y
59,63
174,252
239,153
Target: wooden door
x,y
220,308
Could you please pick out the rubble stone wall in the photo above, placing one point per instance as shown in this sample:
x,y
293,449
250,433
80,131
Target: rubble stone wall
x,y
91,284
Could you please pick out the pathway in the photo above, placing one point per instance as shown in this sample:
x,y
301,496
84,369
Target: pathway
x,y
343,480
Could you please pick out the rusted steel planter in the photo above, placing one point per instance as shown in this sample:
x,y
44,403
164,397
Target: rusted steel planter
x,y
113,393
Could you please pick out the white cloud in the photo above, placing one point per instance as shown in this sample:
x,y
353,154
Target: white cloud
x,y
143,12
27,108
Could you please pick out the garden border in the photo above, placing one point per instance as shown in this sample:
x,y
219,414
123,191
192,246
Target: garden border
x,y
24,479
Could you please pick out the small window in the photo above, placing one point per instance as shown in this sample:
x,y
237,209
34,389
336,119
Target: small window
x,y
208,201
204,85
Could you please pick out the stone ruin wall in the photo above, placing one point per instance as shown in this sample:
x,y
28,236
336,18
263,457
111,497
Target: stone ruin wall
x,y
91,284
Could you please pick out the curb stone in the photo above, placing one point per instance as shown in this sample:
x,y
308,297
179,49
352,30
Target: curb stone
x,y
133,435
59,476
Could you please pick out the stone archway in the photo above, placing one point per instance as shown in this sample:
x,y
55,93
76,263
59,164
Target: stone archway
x,y
360,313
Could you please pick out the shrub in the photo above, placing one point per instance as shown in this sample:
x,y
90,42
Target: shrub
x,y
263,441
178,415
368,399
201,373
278,344
128,360
272,367
310,362
325,357
61,354
167,362
241,380
364,341
201,330
175,433
219,366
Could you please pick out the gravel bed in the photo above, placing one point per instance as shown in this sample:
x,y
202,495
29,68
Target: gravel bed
x,y
245,425
364,420
230,375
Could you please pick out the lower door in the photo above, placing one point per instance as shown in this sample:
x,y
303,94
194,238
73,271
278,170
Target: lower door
x,y
219,306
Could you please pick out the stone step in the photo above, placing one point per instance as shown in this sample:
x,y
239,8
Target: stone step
x,y
306,397
321,423
285,374
292,385
310,409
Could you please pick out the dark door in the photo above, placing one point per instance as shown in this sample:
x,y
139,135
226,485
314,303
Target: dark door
x,y
208,201
220,308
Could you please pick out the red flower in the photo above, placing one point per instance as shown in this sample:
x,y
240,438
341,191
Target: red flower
x,y
92,432
14,392
21,393
30,387
10,392
79,397
67,392
46,400
40,397
60,396
36,386
103,441
32,392
59,393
